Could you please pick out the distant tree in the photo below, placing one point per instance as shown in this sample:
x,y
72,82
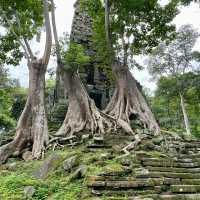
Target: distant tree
x,y
187,2
3,77
166,101
175,59
8,89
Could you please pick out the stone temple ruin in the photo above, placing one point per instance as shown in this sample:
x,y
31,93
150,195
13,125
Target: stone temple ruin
x,y
93,77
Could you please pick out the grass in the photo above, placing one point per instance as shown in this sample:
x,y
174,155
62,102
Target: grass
x,y
58,185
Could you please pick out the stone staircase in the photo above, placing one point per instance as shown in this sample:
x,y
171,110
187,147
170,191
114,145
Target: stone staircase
x,y
172,175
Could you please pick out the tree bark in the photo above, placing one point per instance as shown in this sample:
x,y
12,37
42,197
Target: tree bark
x,y
22,136
82,112
107,26
127,101
32,131
39,129
185,116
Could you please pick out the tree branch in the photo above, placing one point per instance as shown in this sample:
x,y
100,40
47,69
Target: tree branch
x,y
25,40
26,53
48,44
28,48
17,36
53,19
107,25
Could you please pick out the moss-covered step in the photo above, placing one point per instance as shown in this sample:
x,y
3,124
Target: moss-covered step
x,y
123,193
185,188
192,145
173,169
167,197
189,182
197,155
180,197
98,182
169,163
169,175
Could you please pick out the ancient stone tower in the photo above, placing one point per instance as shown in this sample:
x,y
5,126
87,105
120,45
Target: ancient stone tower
x,y
93,78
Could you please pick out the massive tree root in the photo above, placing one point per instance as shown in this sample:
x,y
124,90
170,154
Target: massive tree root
x,y
31,131
127,101
82,113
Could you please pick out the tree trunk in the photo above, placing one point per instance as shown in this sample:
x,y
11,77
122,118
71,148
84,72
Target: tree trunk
x,y
39,130
22,136
186,121
31,131
82,112
127,101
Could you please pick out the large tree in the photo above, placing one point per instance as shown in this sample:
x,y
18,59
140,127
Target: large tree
x,y
21,26
175,59
131,28
82,112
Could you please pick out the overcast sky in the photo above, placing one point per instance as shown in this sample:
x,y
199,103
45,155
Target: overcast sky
x,y
64,16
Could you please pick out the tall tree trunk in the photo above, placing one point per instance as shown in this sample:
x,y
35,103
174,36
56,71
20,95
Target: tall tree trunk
x,y
185,116
22,136
127,101
31,131
39,129
82,112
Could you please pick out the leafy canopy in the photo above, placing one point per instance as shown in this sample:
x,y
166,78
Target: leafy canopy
x,y
19,20
141,24
177,57
166,102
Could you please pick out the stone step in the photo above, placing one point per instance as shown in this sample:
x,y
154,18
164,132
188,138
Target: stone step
x,y
169,175
120,173
185,145
185,188
165,197
102,182
98,146
166,163
122,193
189,182
170,160
173,169
189,156
180,197
192,145
97,180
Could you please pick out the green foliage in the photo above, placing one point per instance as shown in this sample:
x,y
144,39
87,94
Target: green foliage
x,y
76,56
176,57
6,120
141,24
12,100
57,185
73,55
187,2
19,96
166,102
19,19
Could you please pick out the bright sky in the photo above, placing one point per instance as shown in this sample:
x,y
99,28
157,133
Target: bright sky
x,y
64,16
